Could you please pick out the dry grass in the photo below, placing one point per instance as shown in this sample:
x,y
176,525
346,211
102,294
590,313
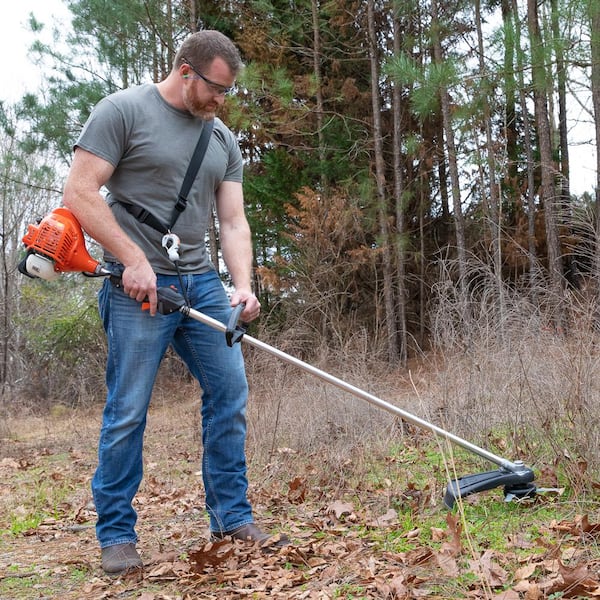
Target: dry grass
x,y
518,385
509,376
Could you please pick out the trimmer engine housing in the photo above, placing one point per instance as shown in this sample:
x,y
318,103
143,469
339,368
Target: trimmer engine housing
x,y
57,245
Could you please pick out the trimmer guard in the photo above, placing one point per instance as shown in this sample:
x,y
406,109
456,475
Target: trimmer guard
x,y
518,483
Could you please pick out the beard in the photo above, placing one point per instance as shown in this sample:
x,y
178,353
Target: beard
x,y
196,107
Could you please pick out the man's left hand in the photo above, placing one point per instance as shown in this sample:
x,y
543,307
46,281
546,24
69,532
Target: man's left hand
x,y
252,310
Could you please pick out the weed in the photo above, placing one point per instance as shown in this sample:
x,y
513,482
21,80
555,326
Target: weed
x,y
79,575
20,586
349,591
22,524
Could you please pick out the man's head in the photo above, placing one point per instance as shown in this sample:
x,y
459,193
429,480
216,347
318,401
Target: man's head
x,y
210,62
202,47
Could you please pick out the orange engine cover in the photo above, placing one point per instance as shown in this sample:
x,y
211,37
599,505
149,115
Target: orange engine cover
x,y
59,237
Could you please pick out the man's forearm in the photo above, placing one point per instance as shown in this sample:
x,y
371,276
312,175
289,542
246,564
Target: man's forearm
x,y
236,246
97,220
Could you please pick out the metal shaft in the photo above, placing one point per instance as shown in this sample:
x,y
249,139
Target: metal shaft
x,y
502,462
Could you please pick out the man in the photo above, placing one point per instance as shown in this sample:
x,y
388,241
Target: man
x,y
138,144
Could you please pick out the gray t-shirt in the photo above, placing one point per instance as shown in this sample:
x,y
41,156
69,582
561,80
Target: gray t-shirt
x,y
150,143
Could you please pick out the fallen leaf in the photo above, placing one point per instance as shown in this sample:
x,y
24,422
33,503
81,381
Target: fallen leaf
x,y
447,564
579,525
534,592
494,575
297,491
454,546
340,509
577,580
389,519
212,554
413,534
507,595
525,572
583,523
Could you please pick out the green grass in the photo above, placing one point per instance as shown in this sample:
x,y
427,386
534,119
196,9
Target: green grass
x,y
22,524
37,496
34,582
21,586
407,473
349,591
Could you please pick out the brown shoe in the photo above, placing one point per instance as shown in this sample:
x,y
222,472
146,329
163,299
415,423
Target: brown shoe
x,y
251,533
120,558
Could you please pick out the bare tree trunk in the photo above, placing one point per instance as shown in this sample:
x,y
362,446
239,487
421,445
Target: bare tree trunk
x,y
390,317
561,77
169,35
318,80
12,212
193,15
594,7
442,173
422,265
399,200
530,194
459,222
491,162
510,96
548,193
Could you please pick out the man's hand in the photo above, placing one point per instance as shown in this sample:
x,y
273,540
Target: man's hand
x,y
139,283
252,310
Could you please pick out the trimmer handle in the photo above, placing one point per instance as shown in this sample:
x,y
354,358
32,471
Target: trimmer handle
x,y
235,328
169,300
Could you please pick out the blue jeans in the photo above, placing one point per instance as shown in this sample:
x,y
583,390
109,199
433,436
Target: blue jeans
x,y
137,343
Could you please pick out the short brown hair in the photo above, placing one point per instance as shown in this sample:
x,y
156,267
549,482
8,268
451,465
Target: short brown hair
x,y
202,47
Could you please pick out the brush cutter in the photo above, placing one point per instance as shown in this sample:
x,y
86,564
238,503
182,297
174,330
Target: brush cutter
x,y
57,245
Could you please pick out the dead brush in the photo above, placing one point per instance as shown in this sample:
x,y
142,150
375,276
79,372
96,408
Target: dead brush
x,y
508,377
295,419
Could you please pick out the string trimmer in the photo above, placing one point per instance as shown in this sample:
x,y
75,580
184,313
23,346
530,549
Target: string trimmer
x,y
57,245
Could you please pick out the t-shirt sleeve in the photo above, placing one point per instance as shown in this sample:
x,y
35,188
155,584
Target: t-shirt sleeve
x,y
235,165
104,133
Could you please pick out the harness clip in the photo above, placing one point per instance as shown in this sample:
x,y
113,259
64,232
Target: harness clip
x,y
170,242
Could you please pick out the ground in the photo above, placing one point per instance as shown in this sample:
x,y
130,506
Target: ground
x,y
375,528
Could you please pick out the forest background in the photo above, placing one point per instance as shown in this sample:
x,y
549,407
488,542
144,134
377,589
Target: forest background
x,y
408,184
407,172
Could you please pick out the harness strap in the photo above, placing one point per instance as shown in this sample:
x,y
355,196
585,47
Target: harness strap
x,y
145,216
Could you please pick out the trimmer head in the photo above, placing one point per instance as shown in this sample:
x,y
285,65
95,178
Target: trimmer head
x,y
517,483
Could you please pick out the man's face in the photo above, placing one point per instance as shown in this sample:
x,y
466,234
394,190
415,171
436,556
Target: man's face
x,y
198,104
203,93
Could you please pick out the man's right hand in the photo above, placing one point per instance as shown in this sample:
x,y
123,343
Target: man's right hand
x,y
139,283
82,196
